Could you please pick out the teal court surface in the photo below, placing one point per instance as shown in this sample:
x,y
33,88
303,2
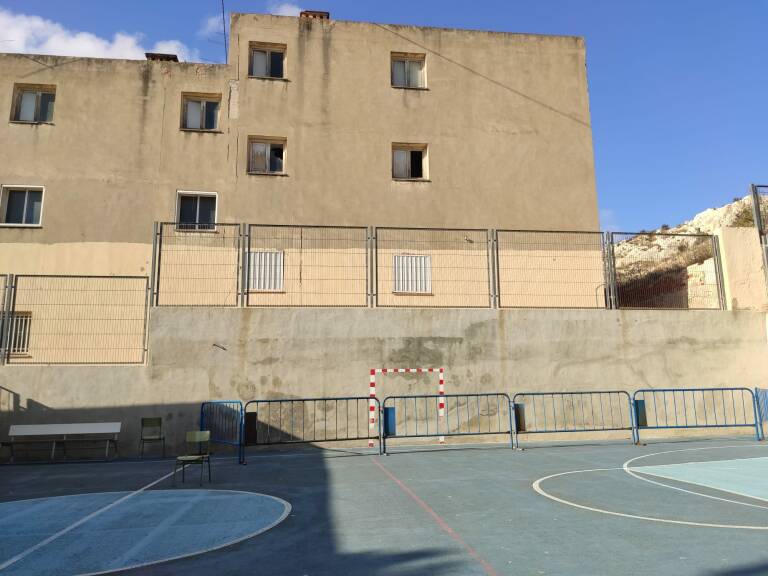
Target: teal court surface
x,y
685,507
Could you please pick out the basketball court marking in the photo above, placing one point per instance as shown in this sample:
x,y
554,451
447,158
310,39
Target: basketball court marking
x,y
625,467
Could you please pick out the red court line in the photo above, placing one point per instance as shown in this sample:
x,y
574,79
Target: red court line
x,y
437,518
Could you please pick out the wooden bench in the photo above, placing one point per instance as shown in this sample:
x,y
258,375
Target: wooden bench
x,y
62,434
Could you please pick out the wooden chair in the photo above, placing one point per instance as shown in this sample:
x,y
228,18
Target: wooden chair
x,y
151,431
198,442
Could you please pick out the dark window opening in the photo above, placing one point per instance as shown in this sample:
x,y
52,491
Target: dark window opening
x,y
197,212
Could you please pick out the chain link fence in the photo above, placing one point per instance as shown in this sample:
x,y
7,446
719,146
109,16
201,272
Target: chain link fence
x,y
75,320
197,266
306,266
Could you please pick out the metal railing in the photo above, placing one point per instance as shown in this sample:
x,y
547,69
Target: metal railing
x,y
464,415
307,420
760,216
670,408
666,271
197,266
432,268
563,412
550,269
75,319
281,265
306,266
224,420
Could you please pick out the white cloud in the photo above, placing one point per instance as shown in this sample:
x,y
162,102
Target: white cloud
x,y
283,9
608,221
211,27
36,35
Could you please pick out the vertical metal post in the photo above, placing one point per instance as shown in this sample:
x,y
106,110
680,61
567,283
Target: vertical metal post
x,y
758,423
10,309
152,271
719,273
159,262
145,335
375,270
497,267
245,249
5,317
611,259
369,266
760,225
491,269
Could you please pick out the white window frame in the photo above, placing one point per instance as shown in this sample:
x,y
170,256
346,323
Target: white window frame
x,y
412,274
18,90
407,58
269,49
272,263
424,149
269,141
204,99
4,189
20,326
187,227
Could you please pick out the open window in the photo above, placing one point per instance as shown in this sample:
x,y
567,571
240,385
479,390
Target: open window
x,y
408,70
409,161
266,155
200,112
266,60
196,211
21,205
33,103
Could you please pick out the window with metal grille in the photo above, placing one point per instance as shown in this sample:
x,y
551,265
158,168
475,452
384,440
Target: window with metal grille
x,y
413,274
265,271
18,342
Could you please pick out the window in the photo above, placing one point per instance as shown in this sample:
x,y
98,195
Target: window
x,y
33,104
21,206
267,61
265,271
200,112
196,211
409,161
413,274
266,156
408,70
19,331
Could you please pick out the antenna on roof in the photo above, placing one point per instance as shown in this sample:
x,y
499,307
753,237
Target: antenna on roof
x,y
224,31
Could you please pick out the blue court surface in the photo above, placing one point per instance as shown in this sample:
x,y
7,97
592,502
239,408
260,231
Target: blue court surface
x,y
691,508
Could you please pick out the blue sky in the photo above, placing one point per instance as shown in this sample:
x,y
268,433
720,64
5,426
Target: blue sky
x,y
678,88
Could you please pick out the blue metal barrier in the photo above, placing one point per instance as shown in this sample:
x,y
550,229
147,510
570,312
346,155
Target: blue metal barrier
x,y
563,412
669,408
306,420
224,419
465,415
761,397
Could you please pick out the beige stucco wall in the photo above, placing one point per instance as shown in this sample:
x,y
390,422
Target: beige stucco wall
x,y
743,269
505,116
215,353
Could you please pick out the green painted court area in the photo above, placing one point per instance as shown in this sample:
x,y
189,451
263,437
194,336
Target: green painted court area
x,y
687,508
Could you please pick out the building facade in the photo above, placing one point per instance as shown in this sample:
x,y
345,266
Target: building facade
x,y
312,121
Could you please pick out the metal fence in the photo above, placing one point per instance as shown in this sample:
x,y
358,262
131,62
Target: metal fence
x,y
419,416
278,266
432,268
75,320
306,266
305,420
667,271
224,420
197,267
562,412
550,269
760,215
670,408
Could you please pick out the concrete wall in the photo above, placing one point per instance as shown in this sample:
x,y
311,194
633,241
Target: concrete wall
x,y
201,354
743,269
505,117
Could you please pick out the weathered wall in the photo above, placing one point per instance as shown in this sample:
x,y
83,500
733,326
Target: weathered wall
x,y
505,116
200,354
743,269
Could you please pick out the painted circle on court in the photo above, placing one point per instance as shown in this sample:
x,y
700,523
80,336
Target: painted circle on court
x,y
150,527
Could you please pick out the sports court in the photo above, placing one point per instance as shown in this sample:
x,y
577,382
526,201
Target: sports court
x,y
683,507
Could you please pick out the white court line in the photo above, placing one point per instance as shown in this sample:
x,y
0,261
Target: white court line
x,y
626,464
80,522
537,487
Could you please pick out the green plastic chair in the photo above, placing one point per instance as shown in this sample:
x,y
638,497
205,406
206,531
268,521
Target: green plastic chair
x,y
197,453
151,431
